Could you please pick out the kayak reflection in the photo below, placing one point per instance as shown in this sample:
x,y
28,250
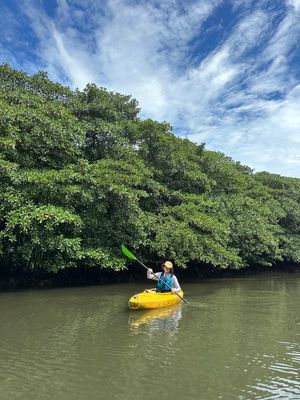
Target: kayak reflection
x,y
158,319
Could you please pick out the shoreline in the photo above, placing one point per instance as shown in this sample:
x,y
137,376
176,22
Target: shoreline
x,y
89,277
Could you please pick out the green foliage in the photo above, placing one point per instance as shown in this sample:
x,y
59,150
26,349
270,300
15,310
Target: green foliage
x,y
38,84
95,103
174,161
105,117
36,236
80,174
37,133
254,228
286,191
188,232
227,175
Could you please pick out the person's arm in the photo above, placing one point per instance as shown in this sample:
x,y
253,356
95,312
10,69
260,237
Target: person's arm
x,y
175,285
151,275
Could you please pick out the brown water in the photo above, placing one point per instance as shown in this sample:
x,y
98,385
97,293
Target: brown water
x,y
237,338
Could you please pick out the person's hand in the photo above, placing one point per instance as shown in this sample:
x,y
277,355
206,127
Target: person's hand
x,y
150,270
173,290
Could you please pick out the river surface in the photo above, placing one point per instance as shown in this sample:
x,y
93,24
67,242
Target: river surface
x,y
238,338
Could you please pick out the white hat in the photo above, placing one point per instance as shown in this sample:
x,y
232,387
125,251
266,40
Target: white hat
x,y
168,264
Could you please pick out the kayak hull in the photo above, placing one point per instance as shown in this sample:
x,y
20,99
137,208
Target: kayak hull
x,y
149,299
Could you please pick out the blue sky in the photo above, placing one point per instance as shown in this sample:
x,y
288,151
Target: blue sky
x,y
226,73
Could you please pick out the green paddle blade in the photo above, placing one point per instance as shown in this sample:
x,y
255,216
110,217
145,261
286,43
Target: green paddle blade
x,y
128,253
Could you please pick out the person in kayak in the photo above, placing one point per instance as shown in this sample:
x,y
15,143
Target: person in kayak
x,y
165,278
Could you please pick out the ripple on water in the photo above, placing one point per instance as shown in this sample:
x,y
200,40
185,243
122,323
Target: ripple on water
x,y
282,380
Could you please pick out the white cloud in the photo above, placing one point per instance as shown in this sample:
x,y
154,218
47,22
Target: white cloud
x,y
63,51
295,4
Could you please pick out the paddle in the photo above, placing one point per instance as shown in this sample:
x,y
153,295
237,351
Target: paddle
x,y
132,257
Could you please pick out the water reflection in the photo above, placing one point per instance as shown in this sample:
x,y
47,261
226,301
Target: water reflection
x,y
161,319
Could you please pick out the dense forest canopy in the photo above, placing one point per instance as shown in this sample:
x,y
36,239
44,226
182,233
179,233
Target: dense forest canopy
x,y
81,173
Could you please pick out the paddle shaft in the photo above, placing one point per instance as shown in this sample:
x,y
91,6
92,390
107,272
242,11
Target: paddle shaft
x,y
143,265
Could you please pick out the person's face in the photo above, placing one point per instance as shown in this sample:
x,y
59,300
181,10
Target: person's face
x,y
167,270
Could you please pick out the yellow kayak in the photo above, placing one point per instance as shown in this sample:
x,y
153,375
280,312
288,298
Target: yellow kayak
x,y
149,299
